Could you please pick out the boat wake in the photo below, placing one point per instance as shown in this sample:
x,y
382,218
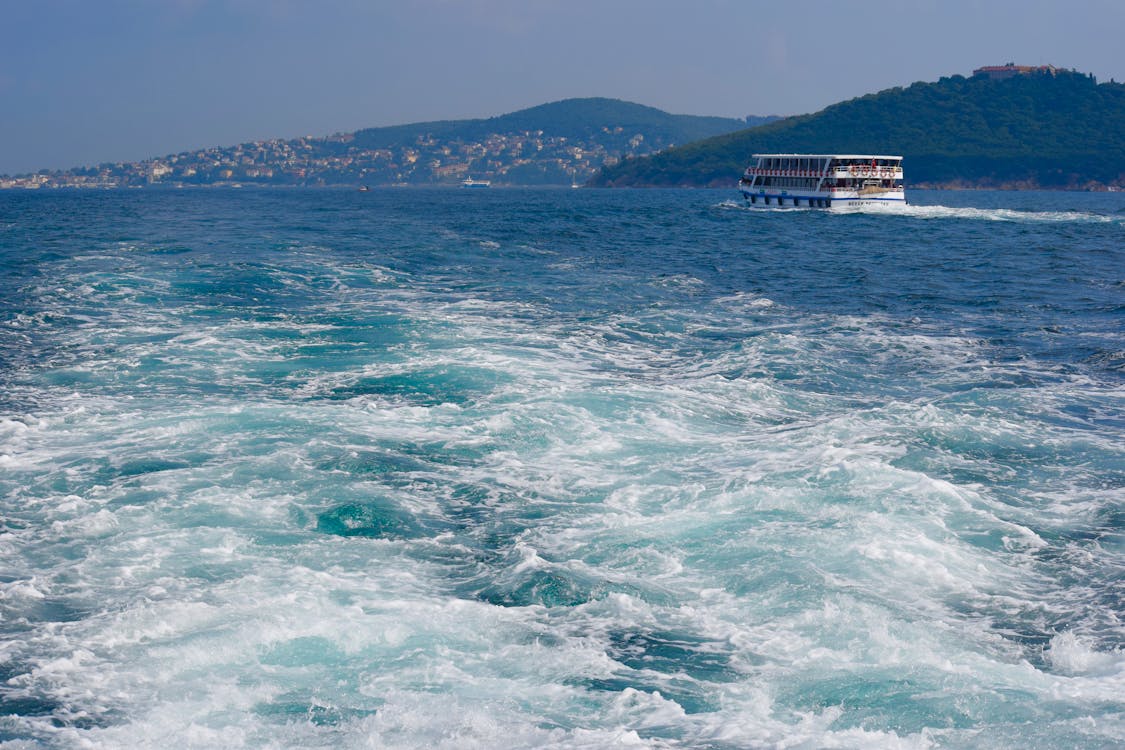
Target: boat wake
x,y
1007,214
942,212
619,468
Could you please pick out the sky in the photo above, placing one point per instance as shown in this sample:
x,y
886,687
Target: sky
x,y
90,81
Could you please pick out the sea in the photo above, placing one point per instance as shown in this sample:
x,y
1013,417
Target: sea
x,y
552,468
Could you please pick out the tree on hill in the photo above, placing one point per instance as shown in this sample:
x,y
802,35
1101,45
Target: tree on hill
x,y
1051,130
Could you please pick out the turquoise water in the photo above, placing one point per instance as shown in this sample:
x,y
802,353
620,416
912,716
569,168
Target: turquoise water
x,y
562,469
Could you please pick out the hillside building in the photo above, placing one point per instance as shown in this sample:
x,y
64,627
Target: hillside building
x,y
1010,70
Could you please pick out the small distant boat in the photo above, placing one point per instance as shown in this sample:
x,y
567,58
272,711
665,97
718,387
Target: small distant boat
x,y
363,188
471,183
824,180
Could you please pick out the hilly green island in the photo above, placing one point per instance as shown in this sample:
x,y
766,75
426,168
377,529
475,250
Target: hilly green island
x,y
560,143
1045,128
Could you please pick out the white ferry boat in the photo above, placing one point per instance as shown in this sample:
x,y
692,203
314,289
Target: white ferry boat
x,y
824,181
471,183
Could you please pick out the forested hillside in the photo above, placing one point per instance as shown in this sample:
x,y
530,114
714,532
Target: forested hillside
x,y
570,118
1059,129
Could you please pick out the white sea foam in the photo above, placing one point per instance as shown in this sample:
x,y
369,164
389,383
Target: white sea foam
x,y
1004,214
171,645
731,523
1071,654
917,211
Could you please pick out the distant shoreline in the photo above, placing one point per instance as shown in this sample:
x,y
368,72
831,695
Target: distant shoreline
x,y
1093,187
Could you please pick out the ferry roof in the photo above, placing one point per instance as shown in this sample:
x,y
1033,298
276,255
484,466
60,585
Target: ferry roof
x,y
824,156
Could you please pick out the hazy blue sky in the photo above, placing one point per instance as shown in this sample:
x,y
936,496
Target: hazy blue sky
x,y
86,81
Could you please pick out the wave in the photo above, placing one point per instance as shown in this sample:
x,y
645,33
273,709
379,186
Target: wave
x,y
1008,214
941,212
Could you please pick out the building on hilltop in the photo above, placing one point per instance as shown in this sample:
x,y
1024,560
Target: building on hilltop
x,y
1009,70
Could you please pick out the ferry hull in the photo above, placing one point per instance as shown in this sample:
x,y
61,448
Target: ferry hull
x,y
838,200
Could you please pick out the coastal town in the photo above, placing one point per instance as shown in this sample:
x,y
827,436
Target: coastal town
x,y
530,157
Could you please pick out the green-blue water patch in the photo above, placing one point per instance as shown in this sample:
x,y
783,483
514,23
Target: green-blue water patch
x,y
294,707
901,704
548,588
372,463
669,652
380,519
303,652
427,386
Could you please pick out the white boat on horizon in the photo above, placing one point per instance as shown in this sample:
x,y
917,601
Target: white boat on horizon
x,y
824,181
471,183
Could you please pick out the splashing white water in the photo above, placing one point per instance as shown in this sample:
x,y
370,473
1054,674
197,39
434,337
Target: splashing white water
x,y
1008,214
938,212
